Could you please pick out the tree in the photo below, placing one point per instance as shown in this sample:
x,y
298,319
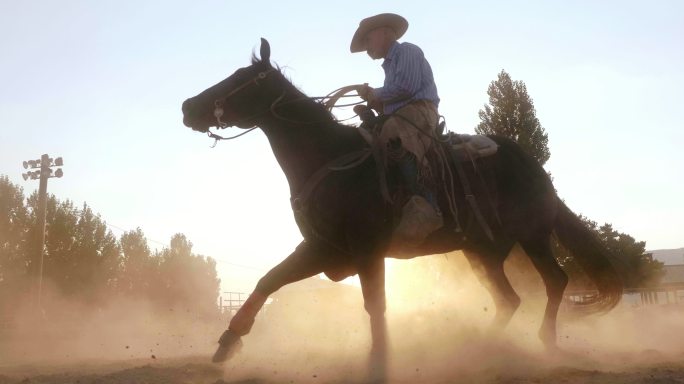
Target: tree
x,y
637,268
82,255
511,114
138,269
13,236
189,281
84,260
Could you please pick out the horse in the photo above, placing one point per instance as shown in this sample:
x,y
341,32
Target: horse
x,y
347,223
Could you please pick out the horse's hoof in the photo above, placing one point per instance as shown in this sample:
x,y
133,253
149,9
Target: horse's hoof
x,y
229,344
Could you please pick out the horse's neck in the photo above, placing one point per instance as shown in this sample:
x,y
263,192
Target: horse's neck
x,y
305,142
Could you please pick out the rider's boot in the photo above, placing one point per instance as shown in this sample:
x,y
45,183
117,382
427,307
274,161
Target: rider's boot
x,y
420,216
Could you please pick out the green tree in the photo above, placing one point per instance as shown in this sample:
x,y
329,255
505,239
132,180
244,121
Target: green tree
x,y
189,281
14,222
84,260
139,270
511,114
82,256
636,267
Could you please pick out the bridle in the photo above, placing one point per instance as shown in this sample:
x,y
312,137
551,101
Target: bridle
x,y
219,103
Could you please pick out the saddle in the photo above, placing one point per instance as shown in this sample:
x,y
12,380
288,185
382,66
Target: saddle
x,y
466,147
470,147
458,148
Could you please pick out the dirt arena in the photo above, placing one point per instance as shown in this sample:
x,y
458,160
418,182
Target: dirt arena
x,y
438,317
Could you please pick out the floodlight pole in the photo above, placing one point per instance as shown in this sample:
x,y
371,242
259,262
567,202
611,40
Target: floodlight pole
x,y
44,173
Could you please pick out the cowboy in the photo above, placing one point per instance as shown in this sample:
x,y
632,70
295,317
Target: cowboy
x,y
409,100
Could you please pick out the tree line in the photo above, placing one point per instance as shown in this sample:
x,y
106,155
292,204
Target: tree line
x,y
511,113
84,261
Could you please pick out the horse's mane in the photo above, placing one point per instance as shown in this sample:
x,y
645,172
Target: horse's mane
x,y
317,108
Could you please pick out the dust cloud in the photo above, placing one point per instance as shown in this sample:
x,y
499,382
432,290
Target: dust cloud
x,y
316,331
65,331
438,318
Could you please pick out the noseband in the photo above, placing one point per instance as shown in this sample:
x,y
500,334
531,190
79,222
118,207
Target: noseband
x,y
218,103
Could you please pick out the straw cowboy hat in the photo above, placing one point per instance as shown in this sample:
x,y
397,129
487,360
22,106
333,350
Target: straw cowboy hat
x,y
391,20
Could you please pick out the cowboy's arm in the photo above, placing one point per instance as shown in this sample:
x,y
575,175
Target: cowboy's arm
x,y
403,80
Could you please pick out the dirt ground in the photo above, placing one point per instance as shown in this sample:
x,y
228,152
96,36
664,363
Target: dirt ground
x,y
642,349
438,333
197,370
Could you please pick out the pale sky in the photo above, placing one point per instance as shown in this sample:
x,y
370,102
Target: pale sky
x,y
101,83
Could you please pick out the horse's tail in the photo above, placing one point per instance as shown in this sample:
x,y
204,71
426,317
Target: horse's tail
x,y
590,253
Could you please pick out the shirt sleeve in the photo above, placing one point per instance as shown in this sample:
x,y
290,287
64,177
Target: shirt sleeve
x,y
403,79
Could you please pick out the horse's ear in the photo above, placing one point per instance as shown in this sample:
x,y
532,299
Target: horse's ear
x,y
265,51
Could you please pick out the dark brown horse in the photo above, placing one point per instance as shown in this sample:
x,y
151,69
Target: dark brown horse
x,y
347,224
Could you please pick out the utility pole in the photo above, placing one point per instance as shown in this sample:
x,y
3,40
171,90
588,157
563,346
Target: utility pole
x,y
43,172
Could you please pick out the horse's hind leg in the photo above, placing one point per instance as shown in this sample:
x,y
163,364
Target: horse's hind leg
x,y
555,280
489,267
302,263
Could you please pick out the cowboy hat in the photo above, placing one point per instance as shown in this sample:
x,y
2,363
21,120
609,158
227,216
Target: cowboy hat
x,y
390,20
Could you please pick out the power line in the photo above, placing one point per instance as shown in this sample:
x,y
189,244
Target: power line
x,y
166,245
239,265
126,230
214,258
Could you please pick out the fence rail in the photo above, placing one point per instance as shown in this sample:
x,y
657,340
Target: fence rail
x,y
229,305
667,294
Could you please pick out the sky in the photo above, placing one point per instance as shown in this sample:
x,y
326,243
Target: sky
x,y
100,83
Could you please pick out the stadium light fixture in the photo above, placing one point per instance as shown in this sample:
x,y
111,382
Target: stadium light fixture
x,y
42,172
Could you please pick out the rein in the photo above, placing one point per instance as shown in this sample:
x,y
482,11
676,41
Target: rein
x,y
331,103
217,137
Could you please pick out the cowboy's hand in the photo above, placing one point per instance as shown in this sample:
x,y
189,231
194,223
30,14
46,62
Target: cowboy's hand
x,y
365,92
376,105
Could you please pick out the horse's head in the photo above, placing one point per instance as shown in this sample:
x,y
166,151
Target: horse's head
x,y
240,100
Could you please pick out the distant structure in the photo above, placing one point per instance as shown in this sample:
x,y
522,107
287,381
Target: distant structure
x,y
307,290
670,290
230,302
673,256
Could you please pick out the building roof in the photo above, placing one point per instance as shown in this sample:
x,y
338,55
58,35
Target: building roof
x,y
674,274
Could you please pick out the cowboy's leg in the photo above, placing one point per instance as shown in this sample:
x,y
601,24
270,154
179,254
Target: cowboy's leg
x,y
425,117
408,168
409,134
396,138
415,124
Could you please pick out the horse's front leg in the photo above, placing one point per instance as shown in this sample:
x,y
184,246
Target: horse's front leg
x,y
304,262
372,276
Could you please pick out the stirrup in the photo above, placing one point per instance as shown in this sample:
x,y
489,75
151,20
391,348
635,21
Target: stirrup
x,y
418,220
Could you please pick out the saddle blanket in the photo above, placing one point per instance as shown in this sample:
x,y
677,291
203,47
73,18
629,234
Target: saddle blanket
x,y
471,147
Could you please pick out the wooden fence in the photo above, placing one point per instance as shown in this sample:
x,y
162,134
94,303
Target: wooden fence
x,y
667,294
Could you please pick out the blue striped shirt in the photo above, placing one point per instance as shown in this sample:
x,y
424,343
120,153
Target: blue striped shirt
x,y
408,78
